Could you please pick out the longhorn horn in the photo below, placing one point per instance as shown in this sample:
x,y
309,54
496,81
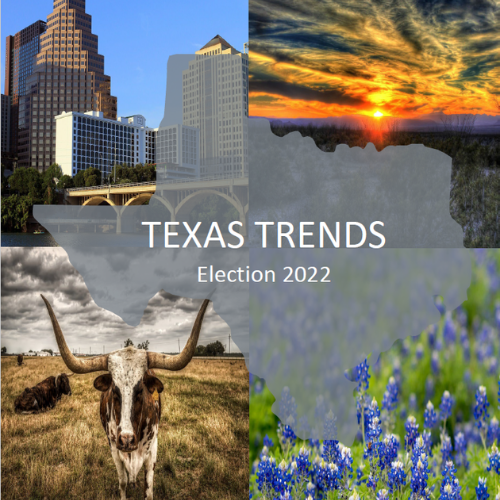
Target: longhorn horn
x,y
178,362
76,365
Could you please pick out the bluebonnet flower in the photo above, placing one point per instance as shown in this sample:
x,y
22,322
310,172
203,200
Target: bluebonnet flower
x,y
412,402
372,481
446,449
449,331
419,476
450,487
345,462
330,451
494,458
388,451
482,489
397,476
419,352
439,304
265,474
281,477
430,416
427,437
445,406
362,375
481,407
303,463
431,335
390,400
359,475
493,431
327,477
411,427
268,442
382,495
354,496
461,449
435,362
286,495
314,443
286,435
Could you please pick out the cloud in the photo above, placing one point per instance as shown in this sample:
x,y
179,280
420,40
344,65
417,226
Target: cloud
x,y
361,55
29,272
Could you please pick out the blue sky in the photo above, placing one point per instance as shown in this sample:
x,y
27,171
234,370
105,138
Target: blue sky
x,y
137,41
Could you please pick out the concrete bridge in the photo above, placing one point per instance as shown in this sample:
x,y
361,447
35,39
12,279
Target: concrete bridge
x,y
178,196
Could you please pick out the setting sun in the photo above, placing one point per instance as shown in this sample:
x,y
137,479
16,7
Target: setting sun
x,y
377,114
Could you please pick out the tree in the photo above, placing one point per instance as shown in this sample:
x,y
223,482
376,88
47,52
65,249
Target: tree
x,y
215,349
92,177
30,350
49,351
4,350
65,182
15,212
201,350
144,345
79,179
27,181
50,179
128,343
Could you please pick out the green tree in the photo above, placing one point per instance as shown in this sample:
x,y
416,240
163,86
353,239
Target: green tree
x,y
49,351
215,349
65,182
201,350
15,212
27,181
4,350
144,345
79,179
49,180
128,343
92,177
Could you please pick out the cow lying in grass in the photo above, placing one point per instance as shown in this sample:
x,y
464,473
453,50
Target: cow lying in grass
x,y
44,395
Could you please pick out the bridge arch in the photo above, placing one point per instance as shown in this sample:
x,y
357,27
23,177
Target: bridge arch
x,y
97,200
140,199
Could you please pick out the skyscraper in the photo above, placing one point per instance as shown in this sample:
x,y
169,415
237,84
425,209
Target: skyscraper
x,y
68,75
20,51
215,100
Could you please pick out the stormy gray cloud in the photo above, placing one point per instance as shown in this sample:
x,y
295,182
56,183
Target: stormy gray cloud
x,y
29,272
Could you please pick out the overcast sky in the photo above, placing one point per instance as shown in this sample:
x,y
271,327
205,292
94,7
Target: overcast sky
x,y
28,272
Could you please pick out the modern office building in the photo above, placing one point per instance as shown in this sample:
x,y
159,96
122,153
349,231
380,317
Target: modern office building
x,y
177,152
68,75
90,139
5,129
215,101
20,51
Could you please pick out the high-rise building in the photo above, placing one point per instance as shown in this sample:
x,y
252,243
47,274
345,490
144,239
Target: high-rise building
x,y
20,51
215,100
89,139
5,128
68,75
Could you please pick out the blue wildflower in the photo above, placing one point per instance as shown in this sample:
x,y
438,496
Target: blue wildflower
x,y
388,451
411,427
427,437
445,406
372,482
481,407
482,489
446,449
439,304
430,416
435,365
362,375
449,331
396,476
268,442
330,451
493,431
494,458
265,474
382,495
419,476
419,352
461,449
286,435
450,487
390,400
412,402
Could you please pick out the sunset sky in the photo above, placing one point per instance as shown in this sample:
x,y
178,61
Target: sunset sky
x,y
319,58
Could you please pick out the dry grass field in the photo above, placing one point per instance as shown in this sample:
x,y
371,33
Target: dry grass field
x,y
63,453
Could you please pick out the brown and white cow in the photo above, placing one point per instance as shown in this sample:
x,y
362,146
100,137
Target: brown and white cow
x,y
44,395
20,358
130,401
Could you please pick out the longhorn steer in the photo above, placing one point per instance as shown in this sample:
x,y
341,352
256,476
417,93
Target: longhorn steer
x,y
44,395
130,401
20,358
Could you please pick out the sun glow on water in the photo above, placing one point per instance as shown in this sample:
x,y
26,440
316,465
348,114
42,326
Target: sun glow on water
x,y
377,114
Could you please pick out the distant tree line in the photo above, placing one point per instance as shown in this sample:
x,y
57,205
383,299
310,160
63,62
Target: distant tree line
x,y
213,349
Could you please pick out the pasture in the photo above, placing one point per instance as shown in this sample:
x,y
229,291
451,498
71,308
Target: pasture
x,y
63,453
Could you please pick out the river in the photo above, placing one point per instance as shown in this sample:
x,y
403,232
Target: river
x,y
28,240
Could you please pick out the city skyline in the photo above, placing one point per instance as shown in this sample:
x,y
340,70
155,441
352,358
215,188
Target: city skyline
x,y
28,272
320,59
140,85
